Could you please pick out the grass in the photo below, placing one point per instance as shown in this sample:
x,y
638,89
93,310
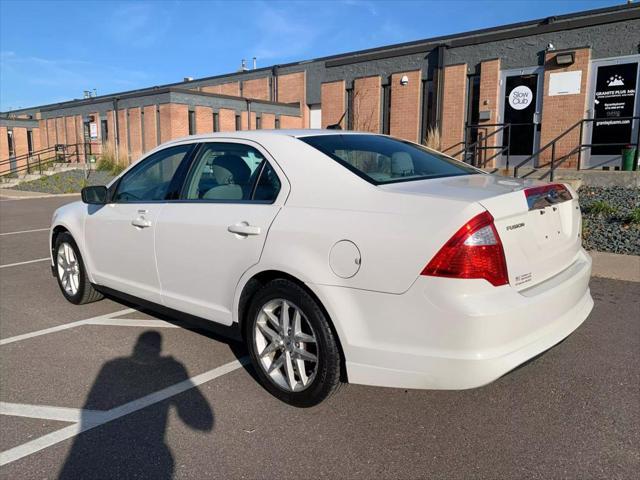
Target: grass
x,y
432,140
70,181
634,216
600,207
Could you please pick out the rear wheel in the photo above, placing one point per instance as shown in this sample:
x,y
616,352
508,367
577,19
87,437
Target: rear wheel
x,y
71,272
292,345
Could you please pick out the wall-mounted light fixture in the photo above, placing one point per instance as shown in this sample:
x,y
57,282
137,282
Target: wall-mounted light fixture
x,y
550,47
404,80
565,59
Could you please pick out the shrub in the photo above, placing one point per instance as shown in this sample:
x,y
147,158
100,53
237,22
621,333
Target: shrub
x,y
109,162
433,139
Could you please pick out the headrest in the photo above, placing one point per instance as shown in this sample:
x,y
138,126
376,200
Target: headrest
x,y
401,164
228,169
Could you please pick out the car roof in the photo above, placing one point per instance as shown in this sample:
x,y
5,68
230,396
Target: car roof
x,y
262,134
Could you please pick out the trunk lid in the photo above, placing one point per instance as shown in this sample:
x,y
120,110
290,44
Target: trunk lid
x,y
540,232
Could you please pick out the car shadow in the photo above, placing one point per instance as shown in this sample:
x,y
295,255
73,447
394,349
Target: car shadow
x,y
134,445
196,325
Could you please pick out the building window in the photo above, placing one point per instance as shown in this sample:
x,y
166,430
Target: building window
x,y
216,122
277,123
10,142
429,120
258,123
192,122
238,123
30,141
473,107
104,130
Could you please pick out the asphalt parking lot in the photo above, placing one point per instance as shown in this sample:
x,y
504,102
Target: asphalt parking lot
x,y
107,391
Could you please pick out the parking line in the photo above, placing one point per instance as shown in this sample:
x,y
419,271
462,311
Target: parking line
x,y
45,412
65,326
88,422
24,231
25,263
131,322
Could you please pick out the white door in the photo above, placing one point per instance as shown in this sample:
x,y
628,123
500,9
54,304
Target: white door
x,y
119,236
216,232
315,116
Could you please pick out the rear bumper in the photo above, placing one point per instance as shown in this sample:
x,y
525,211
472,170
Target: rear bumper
x,y
455,334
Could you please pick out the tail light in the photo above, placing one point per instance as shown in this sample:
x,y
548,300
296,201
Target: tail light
x,y
474,251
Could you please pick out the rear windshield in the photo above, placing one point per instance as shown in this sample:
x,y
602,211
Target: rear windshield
x,y
379,159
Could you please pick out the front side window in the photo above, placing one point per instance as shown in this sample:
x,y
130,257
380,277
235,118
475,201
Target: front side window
x,y
231,172
381,160
150,180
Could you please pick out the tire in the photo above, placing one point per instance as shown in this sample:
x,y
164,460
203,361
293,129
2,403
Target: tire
x,y
75,287
307,321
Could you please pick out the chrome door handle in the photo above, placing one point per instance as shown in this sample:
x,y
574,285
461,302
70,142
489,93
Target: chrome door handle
x,y
141,222
244,229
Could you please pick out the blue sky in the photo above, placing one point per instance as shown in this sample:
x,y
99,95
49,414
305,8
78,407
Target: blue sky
x,y
51,51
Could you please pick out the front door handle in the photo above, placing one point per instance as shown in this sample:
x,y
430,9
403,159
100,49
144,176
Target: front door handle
x,y
141,222
244,229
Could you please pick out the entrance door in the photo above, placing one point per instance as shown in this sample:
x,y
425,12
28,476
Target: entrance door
x,y
613,99
521,100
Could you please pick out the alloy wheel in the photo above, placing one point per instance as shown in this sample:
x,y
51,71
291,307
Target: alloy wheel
x,y
286,345
68,269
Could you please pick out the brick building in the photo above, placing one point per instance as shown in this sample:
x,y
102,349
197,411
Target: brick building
x,y
502,93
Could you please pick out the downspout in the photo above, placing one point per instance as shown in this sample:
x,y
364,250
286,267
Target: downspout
x,y
248,113
116,135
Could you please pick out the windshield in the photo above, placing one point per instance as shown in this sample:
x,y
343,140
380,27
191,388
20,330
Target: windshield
x,y
379,159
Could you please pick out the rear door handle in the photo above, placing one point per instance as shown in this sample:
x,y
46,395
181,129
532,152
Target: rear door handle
x,y
244,229
141,222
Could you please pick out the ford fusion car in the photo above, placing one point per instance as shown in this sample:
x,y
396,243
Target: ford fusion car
x,y
336,256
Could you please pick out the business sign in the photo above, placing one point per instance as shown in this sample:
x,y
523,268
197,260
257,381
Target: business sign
x,y
520,97
615,99
565,83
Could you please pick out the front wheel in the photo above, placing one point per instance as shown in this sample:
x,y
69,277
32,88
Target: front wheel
x,y
291,344
71,272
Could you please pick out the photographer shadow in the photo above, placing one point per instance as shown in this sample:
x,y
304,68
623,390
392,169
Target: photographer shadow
x,y
134,446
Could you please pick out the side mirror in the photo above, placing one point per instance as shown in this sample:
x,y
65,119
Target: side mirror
x,y
94,195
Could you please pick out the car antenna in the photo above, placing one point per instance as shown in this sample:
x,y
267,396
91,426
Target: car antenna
x,y
336,126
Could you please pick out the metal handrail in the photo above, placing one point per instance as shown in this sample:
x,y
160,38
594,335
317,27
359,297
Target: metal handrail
x,y
41,159
555,163
480,145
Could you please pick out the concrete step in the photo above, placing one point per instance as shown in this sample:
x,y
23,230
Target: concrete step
x,y
577,178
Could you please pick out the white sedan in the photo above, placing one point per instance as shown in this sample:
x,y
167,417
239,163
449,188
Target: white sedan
x,y
336,256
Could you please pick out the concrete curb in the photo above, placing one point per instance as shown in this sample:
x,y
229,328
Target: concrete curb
x,y
616,266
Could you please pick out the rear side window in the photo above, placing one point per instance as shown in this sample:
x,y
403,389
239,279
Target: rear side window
x,y
231,172
381,160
